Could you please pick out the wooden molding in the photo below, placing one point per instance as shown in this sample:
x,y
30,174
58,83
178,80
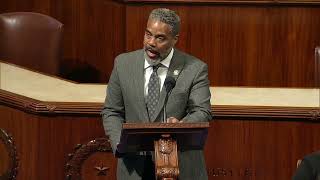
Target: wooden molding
x,y
221,111
204,2
164,125
309,113
7,140
41,107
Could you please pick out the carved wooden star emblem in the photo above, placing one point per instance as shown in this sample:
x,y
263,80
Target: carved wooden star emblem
x,y
102,170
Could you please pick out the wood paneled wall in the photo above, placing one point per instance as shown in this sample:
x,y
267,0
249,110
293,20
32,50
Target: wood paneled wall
x,y
244,44
245,149
44,142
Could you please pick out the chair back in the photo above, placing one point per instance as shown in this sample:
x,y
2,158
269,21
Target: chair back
x,y
31,40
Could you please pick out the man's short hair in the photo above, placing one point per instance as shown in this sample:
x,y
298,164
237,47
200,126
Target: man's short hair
x,y
167,16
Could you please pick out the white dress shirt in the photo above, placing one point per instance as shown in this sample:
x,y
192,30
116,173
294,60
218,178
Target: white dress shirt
x,y
162,71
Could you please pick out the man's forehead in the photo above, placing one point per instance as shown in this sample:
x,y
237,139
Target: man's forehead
x,y
159,27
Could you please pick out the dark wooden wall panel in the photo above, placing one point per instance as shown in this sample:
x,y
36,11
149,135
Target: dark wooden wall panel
x,y
255,149
96,31
248,44
4,156
208,2
44,142
244,45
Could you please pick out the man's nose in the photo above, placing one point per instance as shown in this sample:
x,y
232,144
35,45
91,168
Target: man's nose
x,y
152,42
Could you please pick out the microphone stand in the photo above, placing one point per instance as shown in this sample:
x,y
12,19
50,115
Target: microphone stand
x,y
164,108
169,84
164,114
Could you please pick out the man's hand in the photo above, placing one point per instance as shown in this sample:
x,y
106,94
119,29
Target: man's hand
x,y
173,120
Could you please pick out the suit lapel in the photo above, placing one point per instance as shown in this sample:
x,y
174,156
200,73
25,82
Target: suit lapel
x,y
175,67
139,85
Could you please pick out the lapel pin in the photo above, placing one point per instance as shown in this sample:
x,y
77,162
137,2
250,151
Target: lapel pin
x,y
176,72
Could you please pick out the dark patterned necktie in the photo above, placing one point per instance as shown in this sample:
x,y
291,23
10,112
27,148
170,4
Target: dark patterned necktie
x,y
153,91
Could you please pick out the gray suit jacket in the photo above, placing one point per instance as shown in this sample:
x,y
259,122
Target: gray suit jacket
x,y
309,169
125,102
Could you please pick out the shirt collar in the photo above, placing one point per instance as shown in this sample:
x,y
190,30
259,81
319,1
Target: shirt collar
x,y
165,62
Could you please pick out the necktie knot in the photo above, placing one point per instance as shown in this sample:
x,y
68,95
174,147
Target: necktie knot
x,y
156,67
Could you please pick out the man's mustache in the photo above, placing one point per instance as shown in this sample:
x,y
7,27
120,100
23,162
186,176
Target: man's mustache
x,y
152,50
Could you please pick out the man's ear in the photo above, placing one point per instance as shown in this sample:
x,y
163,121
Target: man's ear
x,y
176,37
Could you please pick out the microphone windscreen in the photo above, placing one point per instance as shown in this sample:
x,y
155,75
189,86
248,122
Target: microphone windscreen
x,y
169,83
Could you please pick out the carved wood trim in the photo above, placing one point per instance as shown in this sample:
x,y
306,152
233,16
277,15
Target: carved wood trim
x,y
8,141
219,111
165,125
286,113
42,107
166,158
225,2
82,152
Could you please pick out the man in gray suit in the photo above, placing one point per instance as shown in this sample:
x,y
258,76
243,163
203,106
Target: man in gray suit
x,y
129,93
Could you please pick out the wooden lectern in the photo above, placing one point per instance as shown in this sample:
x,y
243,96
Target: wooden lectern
x,y
165,139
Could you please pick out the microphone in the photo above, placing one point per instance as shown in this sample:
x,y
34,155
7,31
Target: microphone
x,y
169,84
